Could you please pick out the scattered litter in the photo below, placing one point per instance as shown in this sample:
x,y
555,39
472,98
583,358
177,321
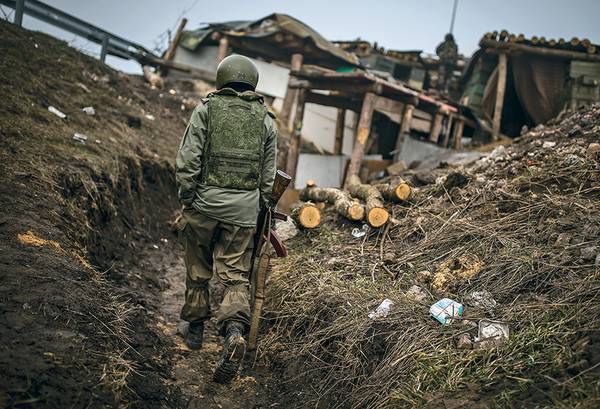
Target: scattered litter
x,y
492,329
358,233
464,342
383,310
150,117
446,309
286,229
56,112
164,240
155,246
548,144
172,91
98,141
482,299
416,293
89,110
79,137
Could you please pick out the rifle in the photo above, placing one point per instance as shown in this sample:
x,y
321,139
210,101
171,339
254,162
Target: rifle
x,y
260,257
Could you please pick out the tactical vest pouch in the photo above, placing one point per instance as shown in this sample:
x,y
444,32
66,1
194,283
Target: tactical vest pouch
x,y
233,155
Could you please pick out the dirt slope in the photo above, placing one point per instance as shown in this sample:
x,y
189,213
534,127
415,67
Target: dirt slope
x,y
522,224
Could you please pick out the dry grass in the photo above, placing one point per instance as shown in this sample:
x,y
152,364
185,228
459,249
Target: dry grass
x,y
519,227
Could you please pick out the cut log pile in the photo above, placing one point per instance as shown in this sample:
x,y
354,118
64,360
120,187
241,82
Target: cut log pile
x,y
357,202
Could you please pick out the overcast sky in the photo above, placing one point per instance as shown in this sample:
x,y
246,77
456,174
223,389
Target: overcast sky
x,y
394,24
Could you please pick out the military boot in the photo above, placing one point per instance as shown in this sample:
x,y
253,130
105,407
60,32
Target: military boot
x,y
193,335
234,349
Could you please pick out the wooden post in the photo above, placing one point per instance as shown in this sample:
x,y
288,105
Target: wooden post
x,y
295,139
458,130
339,131
404,129
436,127
171,50
447,131
290,93
362,135
223,49
500,89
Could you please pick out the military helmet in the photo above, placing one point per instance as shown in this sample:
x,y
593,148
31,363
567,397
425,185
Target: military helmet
x,y
236,68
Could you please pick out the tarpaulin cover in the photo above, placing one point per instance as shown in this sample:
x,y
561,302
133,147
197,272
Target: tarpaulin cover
x,y
540,85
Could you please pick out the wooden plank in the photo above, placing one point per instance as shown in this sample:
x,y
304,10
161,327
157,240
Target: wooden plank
x,y
506,47
290,93
336,101
436,127
458,131
388,105
500,90
223,49
339,131
295,138
173,46
404,130
448,130
193,72
362,135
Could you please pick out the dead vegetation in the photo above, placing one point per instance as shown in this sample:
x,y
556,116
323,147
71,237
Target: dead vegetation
x,y
523,224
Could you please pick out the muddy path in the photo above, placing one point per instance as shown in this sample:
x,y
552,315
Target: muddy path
x,y
256,387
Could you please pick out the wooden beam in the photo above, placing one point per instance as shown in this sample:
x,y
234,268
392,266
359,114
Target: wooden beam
x,y
447,131
388,105
290,93
458,131
294,148
173,46
495,46
339,131
500,89
362,135
223,49
404,130
346,87
436,127
193,72
336,101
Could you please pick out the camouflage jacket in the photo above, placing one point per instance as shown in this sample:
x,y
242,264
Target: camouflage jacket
x,y
233,206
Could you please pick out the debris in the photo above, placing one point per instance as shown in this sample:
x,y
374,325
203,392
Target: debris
x,y
57,112
593,150
358,233
415,293
548,144
395,192
482,299
134,121
79,137
382,310
589,253
155,246
89,110
397,168
455,179
573,160
423,276
498,152
464,342
455,269
491,334
84,87
445,310
150,117
172,91
286,229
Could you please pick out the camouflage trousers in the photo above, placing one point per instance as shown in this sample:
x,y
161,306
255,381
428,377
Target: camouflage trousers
x,y
209,242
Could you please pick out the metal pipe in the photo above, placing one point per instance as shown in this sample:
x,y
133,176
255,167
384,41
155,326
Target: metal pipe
x,y
19,7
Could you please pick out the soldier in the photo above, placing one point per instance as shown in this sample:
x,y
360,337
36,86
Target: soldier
x,y
448,54
225,170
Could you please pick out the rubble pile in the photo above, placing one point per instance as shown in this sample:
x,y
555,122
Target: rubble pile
x,y
514,239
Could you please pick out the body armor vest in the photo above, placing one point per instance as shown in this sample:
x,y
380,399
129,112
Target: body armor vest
x,y
233,155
